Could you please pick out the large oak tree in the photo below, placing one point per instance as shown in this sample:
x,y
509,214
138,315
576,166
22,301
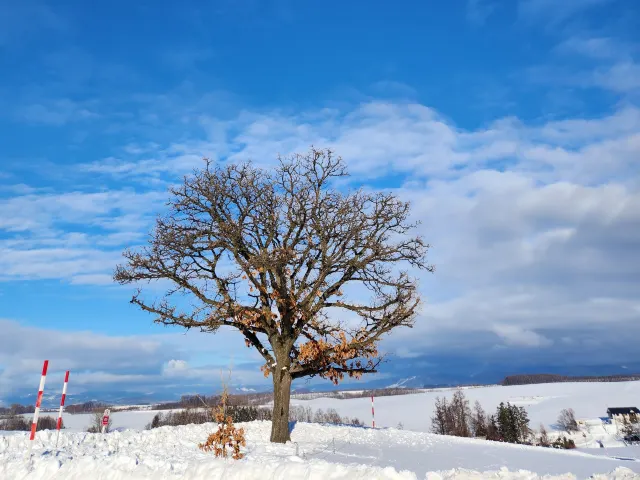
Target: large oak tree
x,y
276,254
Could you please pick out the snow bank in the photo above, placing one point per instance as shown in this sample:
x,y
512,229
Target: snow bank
x,y
317,452
123,467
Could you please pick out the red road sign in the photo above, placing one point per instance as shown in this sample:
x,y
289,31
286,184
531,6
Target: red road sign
x,y
105,420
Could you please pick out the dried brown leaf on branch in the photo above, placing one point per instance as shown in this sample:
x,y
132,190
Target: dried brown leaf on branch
x,y
227,440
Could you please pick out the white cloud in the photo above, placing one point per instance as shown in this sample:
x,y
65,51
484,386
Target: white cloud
x,y
135,363
516,336
531,224
73,235
175,368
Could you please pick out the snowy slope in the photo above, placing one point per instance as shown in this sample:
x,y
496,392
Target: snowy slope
x,y
543,402
323,452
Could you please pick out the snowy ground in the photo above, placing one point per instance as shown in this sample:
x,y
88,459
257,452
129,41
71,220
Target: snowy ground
x,y
323,452
329,452
542,402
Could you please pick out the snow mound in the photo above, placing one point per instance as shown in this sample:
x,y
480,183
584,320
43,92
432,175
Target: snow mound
x,y
316,453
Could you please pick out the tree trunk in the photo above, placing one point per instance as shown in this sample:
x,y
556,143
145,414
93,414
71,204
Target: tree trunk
x,y
281,398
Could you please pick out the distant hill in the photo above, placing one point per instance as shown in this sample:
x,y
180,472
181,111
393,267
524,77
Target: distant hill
x,y
530,379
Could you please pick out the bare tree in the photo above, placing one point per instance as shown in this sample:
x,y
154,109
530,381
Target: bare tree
x,y
630,424
567,420
461,414
272,253
440,423
479,421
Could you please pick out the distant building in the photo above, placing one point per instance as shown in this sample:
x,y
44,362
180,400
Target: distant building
x,y
622,413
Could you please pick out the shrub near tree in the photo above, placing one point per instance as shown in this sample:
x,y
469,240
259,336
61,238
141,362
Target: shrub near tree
x,y
543,438
273,254
227,439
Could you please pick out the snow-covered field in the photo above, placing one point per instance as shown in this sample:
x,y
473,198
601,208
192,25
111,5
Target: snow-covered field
x,y
332,452
542,402
319,452
134,419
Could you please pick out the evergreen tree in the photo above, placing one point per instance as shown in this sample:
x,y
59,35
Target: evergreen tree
x,y
512,423
523,425
493,432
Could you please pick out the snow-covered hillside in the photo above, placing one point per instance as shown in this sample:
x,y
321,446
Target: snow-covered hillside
x,y
543,403
318,452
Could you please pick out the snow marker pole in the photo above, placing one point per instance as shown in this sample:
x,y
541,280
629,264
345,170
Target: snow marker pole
x,y
105,420
36,412
64,394
373,414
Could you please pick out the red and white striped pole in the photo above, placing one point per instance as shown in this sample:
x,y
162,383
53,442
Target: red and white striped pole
x,y
64,394
36,412
373,414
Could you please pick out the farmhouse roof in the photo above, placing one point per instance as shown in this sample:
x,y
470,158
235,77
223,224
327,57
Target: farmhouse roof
x,y
622,411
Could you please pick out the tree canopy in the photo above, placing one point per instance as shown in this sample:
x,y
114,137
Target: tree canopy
x,y
272,253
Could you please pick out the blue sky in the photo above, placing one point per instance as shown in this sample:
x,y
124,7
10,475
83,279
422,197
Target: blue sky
x,y
513,126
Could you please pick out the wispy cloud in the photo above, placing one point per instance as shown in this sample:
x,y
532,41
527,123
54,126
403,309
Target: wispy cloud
x,y
620,77
478,11
585,62
56,112
599,48
20,20
75,236
553,12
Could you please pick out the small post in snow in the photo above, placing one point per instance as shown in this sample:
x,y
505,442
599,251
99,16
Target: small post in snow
x,y
373,414
105,420
36,412
64,395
